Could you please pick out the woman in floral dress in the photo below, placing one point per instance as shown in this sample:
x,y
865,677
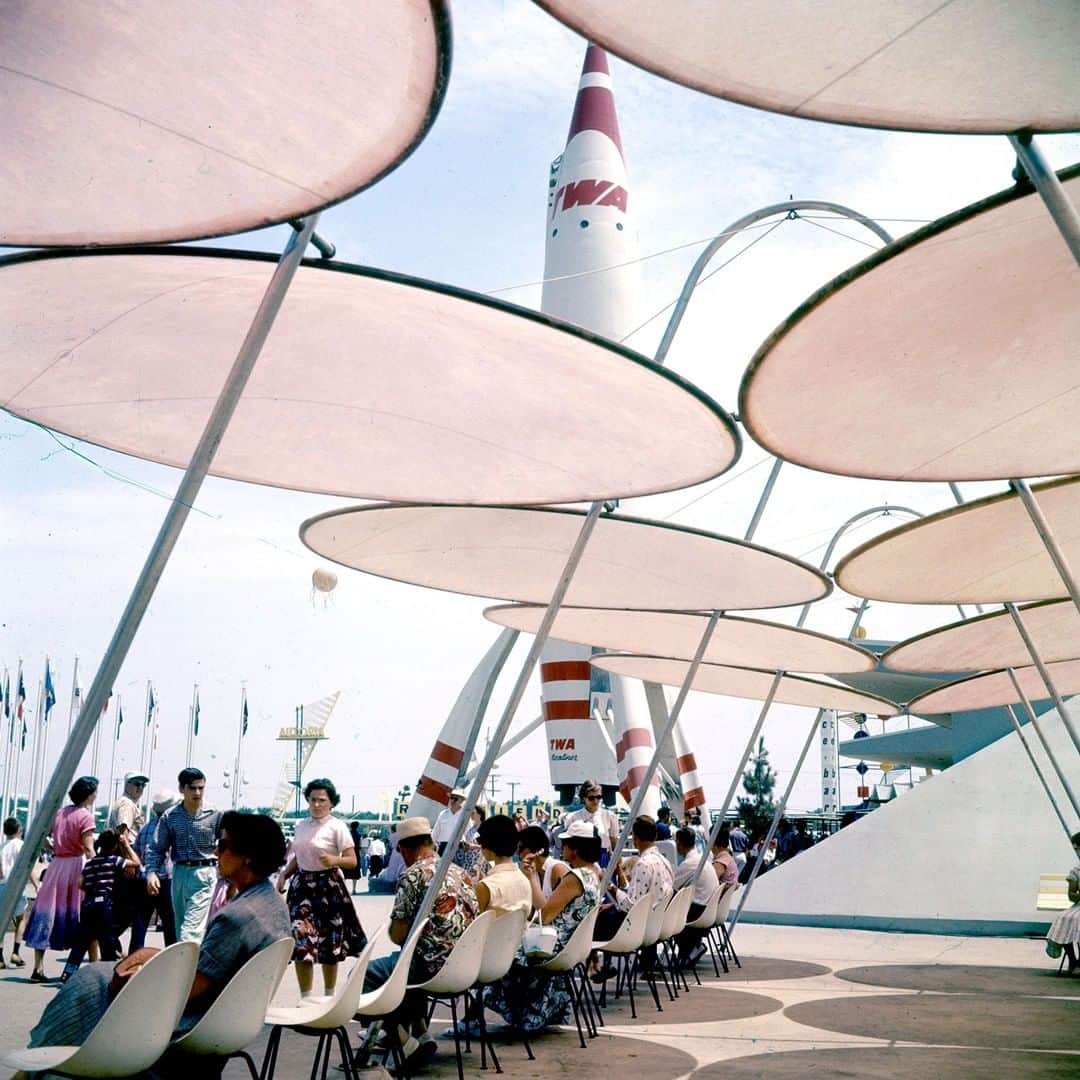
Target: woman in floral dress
x,y
532,999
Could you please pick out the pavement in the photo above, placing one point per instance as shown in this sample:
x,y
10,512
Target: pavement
x,y
807,1002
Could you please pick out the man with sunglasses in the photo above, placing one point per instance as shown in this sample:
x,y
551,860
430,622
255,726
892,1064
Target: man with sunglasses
x,y
594,812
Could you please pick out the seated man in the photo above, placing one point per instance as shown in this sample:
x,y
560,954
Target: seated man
x,y
689,858
651,874
250,848
455,907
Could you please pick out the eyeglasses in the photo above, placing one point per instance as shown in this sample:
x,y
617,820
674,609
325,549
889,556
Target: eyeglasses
x,y
591,798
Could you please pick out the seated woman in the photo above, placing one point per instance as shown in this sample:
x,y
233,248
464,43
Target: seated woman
x,y
727,870
542,869
250,848
531,999
1064,932
504,888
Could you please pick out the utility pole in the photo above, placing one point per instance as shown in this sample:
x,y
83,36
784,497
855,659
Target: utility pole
x,y
514,784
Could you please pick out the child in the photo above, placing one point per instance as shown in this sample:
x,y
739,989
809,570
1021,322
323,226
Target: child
x,y
9,852
98,883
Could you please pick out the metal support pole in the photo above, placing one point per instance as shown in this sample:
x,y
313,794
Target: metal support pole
x,y
1046,535
1044,674
476,790
781,808
1049,187
1038,769
1043,740
154,566
654,761
766,705
763,499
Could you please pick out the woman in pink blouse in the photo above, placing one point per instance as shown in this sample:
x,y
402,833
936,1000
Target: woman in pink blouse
x,y
54,920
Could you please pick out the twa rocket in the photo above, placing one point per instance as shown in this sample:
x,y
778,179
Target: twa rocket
x,y
592,279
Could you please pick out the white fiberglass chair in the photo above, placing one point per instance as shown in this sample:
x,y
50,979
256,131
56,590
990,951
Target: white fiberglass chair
x,y
569,964
325,1020
622,948
235,1019
674,923
707,920
719,939
383,1000
458,975
648,968
136,1027
503,941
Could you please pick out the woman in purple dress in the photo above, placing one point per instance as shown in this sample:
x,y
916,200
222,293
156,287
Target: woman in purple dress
x,y
54,920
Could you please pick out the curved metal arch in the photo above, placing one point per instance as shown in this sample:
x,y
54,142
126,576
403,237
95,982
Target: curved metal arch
x,y
789,208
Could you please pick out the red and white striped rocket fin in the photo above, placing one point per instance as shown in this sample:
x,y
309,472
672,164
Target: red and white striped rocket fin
x,y
453,749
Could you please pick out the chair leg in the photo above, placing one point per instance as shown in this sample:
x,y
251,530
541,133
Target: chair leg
x,y
270,1057
727,939
485,1039
596,1016
320,1046
568,982
248,1062
347,1068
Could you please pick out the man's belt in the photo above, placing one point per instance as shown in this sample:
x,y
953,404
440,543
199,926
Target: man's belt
x,y
194,862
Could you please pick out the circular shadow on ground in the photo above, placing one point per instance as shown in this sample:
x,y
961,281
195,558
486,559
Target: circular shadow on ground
x,y
950,1019
702,1005
893,1063
762,968
557,1055
965,979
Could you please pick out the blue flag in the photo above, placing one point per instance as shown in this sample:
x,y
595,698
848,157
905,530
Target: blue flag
x,y
195,723
151,704
50,692
119,719
243,729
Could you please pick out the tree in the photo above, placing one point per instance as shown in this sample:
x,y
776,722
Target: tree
x,y
758,781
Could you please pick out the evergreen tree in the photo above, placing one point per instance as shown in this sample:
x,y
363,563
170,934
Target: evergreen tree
x,y
758,781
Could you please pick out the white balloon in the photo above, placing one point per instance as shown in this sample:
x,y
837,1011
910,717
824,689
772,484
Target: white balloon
x,y
324,581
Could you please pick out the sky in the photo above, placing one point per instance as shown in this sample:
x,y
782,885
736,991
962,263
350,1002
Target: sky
x,y
235,608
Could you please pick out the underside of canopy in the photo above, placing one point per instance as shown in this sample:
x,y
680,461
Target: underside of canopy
x,y
996,688
139,123
917,65
518,553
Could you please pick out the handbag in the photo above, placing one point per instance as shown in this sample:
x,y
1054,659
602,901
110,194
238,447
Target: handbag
x,y
539,940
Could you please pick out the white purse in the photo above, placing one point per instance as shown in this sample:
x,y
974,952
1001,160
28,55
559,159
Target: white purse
x,y
540,940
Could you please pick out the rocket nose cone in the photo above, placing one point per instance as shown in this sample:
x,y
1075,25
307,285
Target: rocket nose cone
x,y
595,61
594,109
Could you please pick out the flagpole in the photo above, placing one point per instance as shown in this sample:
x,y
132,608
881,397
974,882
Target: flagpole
x,y
148,719
50,704
20,718
35,747
239,746
76,695
6,714
191,726
112,756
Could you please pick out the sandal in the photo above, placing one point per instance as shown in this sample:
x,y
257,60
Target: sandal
x,y
16,961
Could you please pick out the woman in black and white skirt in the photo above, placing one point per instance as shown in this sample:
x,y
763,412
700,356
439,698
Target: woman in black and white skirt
x,y
324,922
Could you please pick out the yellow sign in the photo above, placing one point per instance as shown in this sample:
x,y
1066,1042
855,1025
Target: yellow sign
x,y
294,733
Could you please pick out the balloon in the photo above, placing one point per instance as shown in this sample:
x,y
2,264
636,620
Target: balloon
x,y
324,581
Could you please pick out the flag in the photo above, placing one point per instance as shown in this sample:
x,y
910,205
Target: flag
x,y
119,720
50,691
20,700
7,708
195,720
105,707
243,728
151,705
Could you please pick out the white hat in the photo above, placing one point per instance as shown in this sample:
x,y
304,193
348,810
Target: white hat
x,y
163,800
457,793
581,830
141,777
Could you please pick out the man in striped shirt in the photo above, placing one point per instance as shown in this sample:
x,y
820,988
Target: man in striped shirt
x,y
187,832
